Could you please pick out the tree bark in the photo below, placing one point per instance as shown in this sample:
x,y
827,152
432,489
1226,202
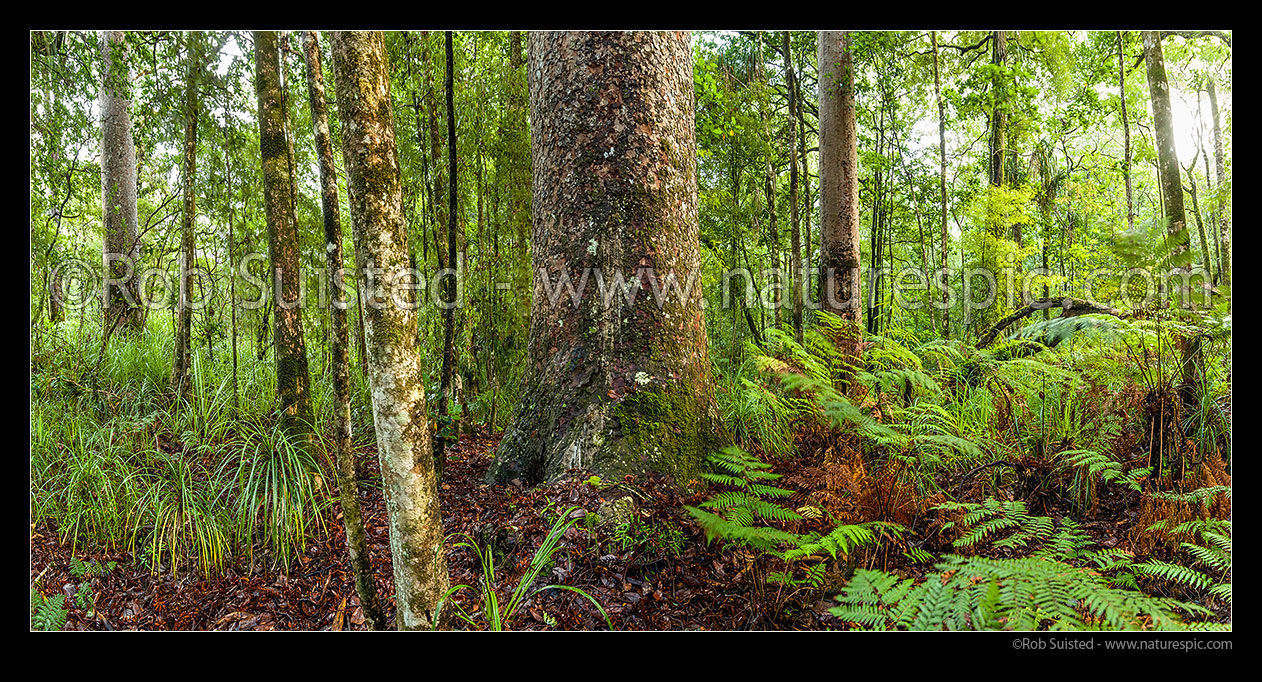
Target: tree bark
x,y
1126,138
180,365
942,184
795,236
839,230
121,255
1220,181
362,76
1172,197
347,485
769,188
998,115
292,378
449,283
616,384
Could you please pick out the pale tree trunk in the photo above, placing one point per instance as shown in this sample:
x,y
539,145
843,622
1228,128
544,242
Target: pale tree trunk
x,y
795,236
1220,181
292,378
839,228
622,386
1172,197
942,185
1126,138
347,485
121,253
180,366
362,76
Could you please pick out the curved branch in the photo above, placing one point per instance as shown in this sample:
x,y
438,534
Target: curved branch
x,y
1070,307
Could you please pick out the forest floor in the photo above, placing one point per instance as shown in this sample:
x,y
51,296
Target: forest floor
x,y
656,573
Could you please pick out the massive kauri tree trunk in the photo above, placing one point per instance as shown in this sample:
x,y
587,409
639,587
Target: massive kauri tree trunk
x,y
348,487
625,386
180,381
839,187
292,379
362,77
121,251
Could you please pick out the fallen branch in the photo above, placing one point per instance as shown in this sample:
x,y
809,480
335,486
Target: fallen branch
x,y
1070,307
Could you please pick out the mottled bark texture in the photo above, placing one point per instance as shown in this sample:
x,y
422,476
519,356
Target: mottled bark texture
x,y
347,484
121,252
361,74
621,387
839,189
180,365
292,378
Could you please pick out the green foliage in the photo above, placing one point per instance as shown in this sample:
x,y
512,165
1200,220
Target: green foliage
x,y
976,593
48,613
495,615
1009,525
741,516
280,486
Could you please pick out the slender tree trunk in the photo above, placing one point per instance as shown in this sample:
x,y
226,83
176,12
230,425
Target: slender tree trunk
x,y
1126,138
347,485
998,114
1220,173
839,228
1200,224
795,238
942,185
616,384
180,381
121,254
362,76
1172,193
449,283
292,378
769,188
232,272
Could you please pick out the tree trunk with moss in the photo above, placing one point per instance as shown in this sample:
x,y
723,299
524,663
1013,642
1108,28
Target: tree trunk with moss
x,y
839,189
615,384
362,76
292,378
180,381
121,251
347,485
